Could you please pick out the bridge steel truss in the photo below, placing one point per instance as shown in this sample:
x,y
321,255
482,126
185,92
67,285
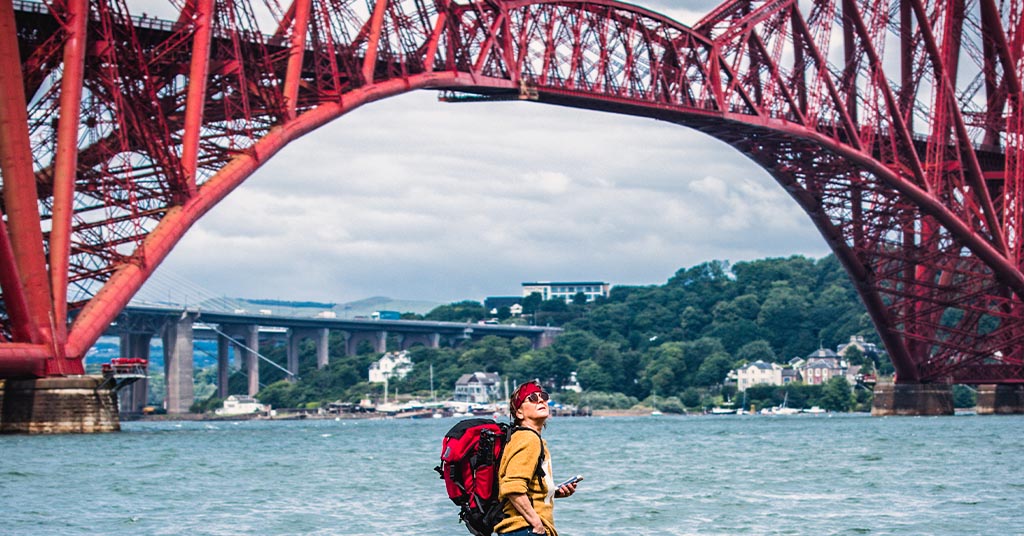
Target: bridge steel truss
x,y
896,126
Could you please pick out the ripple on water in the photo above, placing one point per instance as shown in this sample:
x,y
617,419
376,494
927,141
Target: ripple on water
x,y
672,477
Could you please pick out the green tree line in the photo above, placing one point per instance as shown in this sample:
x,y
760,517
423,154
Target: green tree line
x,y
675,341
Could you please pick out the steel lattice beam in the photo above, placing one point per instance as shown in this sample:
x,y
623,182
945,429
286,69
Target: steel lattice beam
x,y
910,168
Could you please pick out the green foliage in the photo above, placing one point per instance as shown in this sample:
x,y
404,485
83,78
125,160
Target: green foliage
x,y
759,350
854,356
464,311
600,400
679,340
836,395
666,405
206,406
964,396
691,397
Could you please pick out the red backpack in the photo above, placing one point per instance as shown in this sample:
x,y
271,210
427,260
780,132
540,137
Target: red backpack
x,y
470,455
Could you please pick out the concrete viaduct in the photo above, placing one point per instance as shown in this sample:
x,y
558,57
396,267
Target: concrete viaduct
x,y
180,327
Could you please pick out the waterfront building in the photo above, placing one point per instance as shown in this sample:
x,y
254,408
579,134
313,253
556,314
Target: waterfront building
x,y
791,375
241,405
822,365
390,365
823,354
478,388
758,373
817,368
573,384
820,371
550,290
857,341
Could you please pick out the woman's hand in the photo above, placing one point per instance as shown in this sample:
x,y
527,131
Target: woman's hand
x,y
565,491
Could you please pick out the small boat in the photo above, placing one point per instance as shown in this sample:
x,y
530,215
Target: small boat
x,y
722,411
815,410
654,403
784,409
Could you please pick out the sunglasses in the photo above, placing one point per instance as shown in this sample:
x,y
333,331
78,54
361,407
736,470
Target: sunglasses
x,y
537,398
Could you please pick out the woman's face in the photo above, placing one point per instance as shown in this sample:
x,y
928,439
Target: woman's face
x,y
534,408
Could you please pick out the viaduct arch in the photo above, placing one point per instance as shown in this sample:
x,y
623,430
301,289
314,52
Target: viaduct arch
x,y
897,128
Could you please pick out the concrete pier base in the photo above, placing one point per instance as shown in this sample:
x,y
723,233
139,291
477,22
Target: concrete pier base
x,y
912,399
1000,400
58,406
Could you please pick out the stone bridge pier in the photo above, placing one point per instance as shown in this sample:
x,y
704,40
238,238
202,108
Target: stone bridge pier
x,y
245,340
912,399
133,398
178,338
378,339
430,340
319,336
1000,399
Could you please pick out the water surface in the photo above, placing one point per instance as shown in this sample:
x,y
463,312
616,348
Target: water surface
x,y
802,475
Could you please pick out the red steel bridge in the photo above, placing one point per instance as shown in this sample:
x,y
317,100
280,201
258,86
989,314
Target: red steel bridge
x,y
896,125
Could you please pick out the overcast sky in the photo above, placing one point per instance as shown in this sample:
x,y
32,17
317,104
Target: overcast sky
x,y
413,198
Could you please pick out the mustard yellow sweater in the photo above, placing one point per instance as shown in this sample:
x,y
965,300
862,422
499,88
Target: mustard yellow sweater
x,y
517,474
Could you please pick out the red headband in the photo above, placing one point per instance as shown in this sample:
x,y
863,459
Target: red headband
x,y
525,391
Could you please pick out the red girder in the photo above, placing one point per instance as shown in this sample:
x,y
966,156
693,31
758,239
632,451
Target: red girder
x,y
916,185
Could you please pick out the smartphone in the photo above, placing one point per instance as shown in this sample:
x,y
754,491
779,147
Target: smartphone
x,y
572,480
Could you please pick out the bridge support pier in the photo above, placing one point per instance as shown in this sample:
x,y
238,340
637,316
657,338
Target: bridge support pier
x,y
378,339
178,364
320,337
252,362
323,337
59,405
133,398
1000,400
223,365
912,399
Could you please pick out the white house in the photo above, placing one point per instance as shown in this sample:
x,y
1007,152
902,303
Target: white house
x,y
478,388
391,365
566,290
757,373
241,405
573,384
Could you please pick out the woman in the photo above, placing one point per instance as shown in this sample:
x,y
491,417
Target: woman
x,y
525,477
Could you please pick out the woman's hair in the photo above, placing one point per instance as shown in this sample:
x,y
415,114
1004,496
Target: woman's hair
x,y
516,400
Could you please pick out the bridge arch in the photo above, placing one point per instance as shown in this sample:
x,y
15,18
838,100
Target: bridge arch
x,y
922,226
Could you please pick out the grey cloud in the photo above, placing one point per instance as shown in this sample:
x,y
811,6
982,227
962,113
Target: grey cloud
x,y
416,199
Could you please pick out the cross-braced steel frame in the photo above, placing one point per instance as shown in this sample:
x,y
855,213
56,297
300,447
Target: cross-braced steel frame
x,y
896,125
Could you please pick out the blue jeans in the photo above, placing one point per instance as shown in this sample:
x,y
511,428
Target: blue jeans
x,y
521,532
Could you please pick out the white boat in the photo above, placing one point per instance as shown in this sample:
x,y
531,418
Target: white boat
x,y
742,409
654,402
722,411
784,409
815,410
